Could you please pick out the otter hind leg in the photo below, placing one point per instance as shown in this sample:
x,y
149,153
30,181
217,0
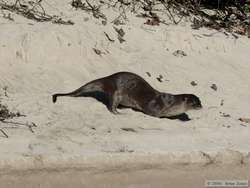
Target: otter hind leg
x,y
114,101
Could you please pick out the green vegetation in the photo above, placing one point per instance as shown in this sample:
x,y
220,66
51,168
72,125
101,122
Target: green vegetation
x,y
246,8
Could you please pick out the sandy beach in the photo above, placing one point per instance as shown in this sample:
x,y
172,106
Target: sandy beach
x,y
54,140
172,176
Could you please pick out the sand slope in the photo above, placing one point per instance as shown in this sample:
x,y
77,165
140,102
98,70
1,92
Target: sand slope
x,y
39,59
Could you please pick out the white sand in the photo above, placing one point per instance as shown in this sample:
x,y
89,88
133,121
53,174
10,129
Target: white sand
x,y
179,177
39,59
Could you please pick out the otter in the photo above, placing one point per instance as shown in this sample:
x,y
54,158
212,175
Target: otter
x,y
130,90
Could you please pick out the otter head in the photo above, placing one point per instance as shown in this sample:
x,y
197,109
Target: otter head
x,y
173,105
192,102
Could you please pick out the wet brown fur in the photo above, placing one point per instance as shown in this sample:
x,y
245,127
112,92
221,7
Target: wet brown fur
x,y
130,90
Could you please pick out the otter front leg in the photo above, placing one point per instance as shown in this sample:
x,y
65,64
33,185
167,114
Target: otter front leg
x,y
154,107
114,101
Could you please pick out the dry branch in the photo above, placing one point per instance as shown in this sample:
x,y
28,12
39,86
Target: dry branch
x,y
30,126
108,37
227,14
5,115
34,11
88,7
2,131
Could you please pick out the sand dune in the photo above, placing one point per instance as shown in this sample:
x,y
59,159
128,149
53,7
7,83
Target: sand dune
x,y
39,59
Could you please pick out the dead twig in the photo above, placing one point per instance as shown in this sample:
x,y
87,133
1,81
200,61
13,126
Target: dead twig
x,y
31,11
170,13
29,126
111,40
4,133
120,33
129,130
6,114
98,52
88,7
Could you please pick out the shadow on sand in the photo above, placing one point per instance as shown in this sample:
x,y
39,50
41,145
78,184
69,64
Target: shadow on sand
x,y
104,99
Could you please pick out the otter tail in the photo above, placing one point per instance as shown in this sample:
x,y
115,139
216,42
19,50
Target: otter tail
x,y
93,86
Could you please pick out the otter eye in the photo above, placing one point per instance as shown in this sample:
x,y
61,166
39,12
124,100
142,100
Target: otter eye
x,y
194,103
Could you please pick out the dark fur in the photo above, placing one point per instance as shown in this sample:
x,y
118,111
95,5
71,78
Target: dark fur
x,y
130,90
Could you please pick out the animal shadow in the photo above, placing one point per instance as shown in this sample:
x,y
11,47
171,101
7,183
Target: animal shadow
x,y
181,117
104,99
